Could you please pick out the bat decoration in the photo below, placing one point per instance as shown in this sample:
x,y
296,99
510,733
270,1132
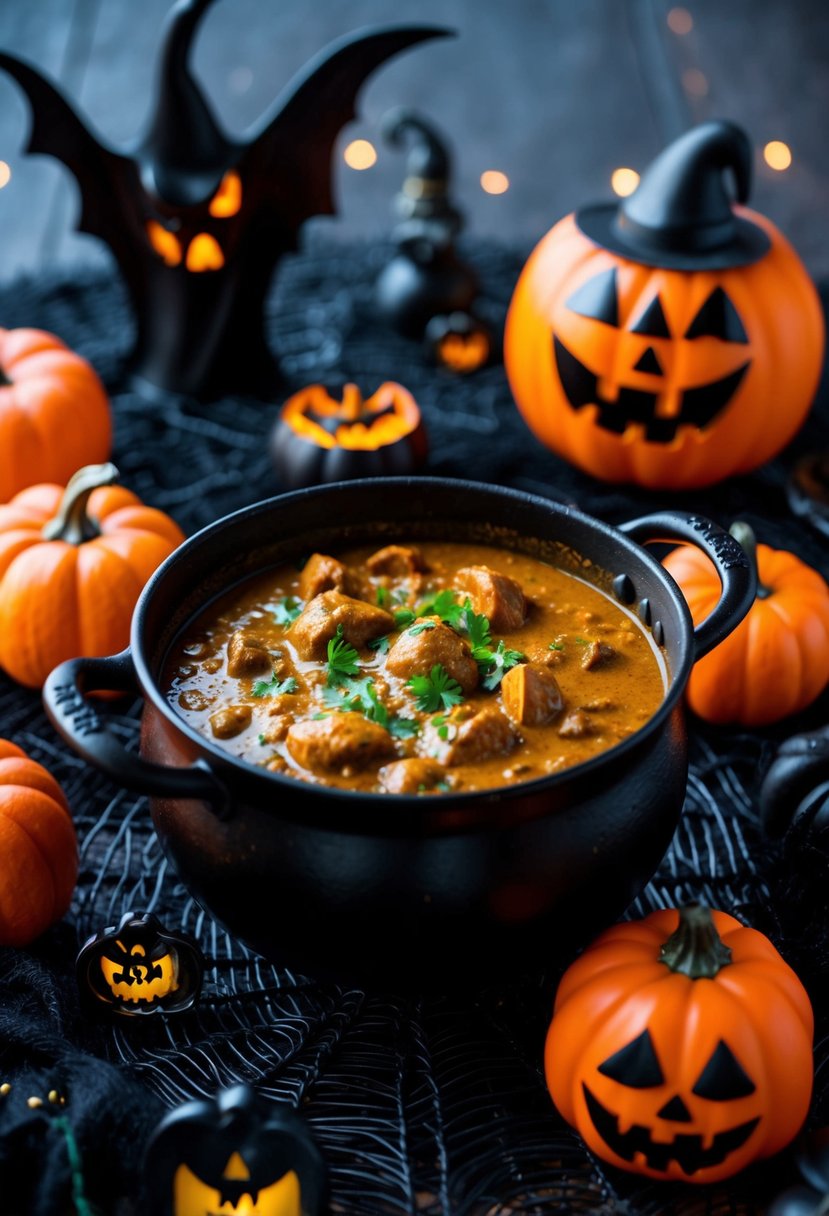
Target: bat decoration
x,y
140,968
236,1152
197,221
319,437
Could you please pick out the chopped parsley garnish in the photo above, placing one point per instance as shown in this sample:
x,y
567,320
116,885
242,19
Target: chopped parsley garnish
x,y
403,728
274,687
436,690
401,595
421,627
381,645
445,728
342,659
443,786
262,740
286,611
404,617
476,626
501,661
444,605
360,696
555,646
382,596
581,641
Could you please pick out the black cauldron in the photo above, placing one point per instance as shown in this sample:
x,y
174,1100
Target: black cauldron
x,y
390,888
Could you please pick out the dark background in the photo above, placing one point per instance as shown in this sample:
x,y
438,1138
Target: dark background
x,y
554,93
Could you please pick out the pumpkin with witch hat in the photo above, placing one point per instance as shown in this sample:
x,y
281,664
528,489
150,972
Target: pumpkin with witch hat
x,y
673,340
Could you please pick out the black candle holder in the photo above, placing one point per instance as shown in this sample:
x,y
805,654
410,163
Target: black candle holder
x,y
197,221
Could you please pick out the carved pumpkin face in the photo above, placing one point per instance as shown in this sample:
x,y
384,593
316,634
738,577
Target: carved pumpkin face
x,y
683,1121
458,342
236,1153
667,378
140,968
319,438
197,239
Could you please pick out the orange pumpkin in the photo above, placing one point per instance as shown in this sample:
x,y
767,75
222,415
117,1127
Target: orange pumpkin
x,y
777,659
671,369
72,566
38,849
681,1046
54,413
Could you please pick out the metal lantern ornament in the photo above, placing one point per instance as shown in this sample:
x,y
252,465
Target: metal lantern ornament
x,y
237,1152
197,221
672,340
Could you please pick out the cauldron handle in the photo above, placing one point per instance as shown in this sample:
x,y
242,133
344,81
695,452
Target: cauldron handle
x,y
77,720
738,578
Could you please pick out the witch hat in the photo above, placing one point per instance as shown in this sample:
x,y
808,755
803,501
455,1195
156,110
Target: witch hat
x,y
425,191
681,215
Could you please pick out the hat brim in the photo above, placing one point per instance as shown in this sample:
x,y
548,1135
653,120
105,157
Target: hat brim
x,y
599,222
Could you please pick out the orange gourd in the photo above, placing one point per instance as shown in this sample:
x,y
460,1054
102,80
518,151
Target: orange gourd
x,y
38,850
679,369
681,1046
73,563
54,413
776,662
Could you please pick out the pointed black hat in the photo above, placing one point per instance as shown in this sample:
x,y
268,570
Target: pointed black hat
x,y
681,215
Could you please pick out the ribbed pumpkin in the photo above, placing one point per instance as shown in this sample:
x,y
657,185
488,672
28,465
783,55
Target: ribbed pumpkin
x,y
54,413
776,662
38,850
681,1046
73,563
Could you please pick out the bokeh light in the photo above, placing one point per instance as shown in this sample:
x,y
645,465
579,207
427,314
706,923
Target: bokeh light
x,y
624,181
493,181
360,154
777,155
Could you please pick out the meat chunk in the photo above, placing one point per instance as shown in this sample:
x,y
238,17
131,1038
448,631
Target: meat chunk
x,y
531,695
319,619
322,573
412,776
230,721
276,728
416,654
247,655
497,596
338,741
397,561
488,734
576,725
596,655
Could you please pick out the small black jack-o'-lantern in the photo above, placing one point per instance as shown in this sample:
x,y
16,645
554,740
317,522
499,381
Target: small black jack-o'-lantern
x,y
140,968
197,221
319,438
458,343
235,1153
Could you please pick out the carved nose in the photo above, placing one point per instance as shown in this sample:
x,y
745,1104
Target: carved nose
x,y
649,362
675,1110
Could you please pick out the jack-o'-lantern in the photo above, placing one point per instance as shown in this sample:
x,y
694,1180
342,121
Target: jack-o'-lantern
x,y
681,1046
459,343
673,341
318,438
236,1153
197,220
140,968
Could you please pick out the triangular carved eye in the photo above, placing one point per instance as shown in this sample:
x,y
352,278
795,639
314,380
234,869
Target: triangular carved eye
x,y
652,322
597,298
723,1077
635,1065
717,318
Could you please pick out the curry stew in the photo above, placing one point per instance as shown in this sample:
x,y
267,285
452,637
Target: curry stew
x,y
417,670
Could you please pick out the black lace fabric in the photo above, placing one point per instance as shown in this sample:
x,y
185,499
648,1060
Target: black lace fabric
x,y
435,1106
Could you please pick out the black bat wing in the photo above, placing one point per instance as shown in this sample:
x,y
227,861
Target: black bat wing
x,y
294,145
57,131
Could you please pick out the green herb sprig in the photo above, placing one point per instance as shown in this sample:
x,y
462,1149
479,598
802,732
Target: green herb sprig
x,y
274,687
343,659
286,610
435,691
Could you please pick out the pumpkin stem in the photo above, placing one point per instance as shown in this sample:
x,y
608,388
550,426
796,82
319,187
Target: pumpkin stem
x,y
743,533
352,402
695,948
72,523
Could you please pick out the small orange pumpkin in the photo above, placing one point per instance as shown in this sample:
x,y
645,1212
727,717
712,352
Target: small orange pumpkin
x,y
54,413
681,1046
642,351
777,659
39,852
73,563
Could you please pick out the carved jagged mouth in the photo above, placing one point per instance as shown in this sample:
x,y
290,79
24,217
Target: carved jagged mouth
x,y
698,407
686,1150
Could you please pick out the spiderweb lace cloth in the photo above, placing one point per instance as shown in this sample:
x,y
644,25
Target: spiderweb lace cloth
x,y
435,1106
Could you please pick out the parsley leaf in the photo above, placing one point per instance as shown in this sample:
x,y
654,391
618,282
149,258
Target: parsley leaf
x,y
435,690
502,660
342,659
404,617
421,627
273,687
382,596
403,728
555,646
381,645
443,605
286,611
476,625
581,641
